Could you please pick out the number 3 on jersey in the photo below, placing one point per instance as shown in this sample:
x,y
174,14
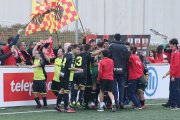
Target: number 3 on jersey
x,y
79,61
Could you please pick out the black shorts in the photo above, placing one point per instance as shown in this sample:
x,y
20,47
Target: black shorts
x,y
106,85
39,86
66,84
56,86
79,79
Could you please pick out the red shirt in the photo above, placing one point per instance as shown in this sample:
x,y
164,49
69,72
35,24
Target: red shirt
x,y
11,60
159,58
168,57
105,69
151,59
175,64
135,67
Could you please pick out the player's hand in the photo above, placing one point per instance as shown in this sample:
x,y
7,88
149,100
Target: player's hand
x,y
172,79
20,31
13,50
39,43
164,77
30,67
72,69
81,70
102,49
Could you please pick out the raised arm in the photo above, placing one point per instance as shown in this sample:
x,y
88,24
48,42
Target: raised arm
x,y
45,56
96,52
35,48
16,38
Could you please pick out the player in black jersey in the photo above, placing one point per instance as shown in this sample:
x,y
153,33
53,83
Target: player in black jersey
x,y
79,81
66,75
89,60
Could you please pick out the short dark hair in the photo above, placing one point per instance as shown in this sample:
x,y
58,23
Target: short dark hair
x,y
91,41
100,44
154,53
39,52
10,39
117,37
105,53
63,51
141,57
159,49
81,47
84,40
133,49
106,40
174,41
69,48
127,43
74,46
87,47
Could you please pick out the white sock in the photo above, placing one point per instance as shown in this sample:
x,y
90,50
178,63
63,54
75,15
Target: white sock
x,y
101,104
113,102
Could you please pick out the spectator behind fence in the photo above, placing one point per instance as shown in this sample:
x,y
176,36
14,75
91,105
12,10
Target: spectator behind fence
x,y
24,58
106,44
7,49
31,46
55,50
93,44
160,57
151,56
66,46
48,44
128,45
2,56
168,52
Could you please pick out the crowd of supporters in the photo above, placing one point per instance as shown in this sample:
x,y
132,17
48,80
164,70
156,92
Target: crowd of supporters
x,y
97,74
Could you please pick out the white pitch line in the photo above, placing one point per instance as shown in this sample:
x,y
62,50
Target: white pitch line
x,y
155,104
13,113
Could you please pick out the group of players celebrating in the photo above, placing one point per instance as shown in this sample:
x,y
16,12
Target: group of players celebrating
x,y
93,75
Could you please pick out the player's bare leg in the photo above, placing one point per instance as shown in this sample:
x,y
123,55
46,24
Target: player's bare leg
x,y
101,98
141,98
112,101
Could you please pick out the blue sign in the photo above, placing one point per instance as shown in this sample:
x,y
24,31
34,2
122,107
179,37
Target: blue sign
x,y
152,82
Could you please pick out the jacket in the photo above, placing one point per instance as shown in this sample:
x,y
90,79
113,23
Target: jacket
x,y
120,55
4,57
175,64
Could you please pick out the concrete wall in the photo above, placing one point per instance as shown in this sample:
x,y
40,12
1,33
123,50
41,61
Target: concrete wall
x,y
110,16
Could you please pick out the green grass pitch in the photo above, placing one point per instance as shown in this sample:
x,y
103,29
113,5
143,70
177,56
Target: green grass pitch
x,y
154,111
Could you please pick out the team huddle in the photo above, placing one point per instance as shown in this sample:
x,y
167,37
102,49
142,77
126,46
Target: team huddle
x,y
91,76
96,75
